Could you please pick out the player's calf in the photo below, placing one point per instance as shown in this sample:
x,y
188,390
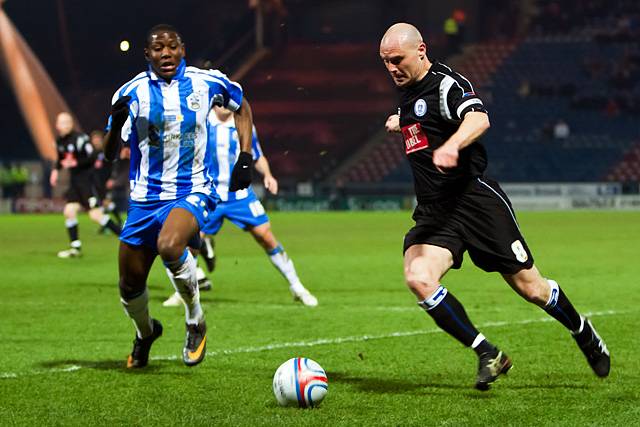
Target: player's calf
x,y
450,315
207,246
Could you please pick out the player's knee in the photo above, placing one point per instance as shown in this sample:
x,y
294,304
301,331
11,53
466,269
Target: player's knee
x,y
130,288
70,211
170,247
262,232
95,214
534,291
420,284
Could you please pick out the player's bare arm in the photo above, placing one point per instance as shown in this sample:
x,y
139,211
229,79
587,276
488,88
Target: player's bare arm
x,y
244,124
269,181
119,115
474,124
111,143
393,123
241,174
53,178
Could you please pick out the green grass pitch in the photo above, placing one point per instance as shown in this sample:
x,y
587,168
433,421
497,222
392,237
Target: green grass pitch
x,y
64,337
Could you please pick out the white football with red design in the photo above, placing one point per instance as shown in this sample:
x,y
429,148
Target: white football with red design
x,y
300,382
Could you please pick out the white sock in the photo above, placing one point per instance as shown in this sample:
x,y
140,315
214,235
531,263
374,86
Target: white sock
x,y
182,274
478,341
104,220
554,292
283,263
200,274
138,310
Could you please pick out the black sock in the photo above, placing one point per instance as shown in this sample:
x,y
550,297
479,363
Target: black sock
x,y
73,232
449,315
560,308
118,218
113,227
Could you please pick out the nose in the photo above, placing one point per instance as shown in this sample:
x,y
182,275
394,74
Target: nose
x,y
166,52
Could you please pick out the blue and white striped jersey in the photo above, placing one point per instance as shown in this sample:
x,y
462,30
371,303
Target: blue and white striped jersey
x,y
224,137
167,130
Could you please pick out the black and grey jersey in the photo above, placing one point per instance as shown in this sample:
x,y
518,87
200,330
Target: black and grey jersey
x,y
431,110
76,145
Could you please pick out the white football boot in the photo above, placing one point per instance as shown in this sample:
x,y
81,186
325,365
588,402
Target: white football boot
x,y
70,253
305,297
175,300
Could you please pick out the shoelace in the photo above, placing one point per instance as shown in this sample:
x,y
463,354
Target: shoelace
x,y
494,365
191,337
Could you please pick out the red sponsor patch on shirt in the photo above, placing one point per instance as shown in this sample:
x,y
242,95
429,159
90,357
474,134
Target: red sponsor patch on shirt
x,y
414,138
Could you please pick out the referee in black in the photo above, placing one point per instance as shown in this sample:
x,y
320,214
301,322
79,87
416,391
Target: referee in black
x,y
441,119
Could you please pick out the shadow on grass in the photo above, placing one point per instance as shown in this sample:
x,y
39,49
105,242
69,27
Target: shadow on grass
x,y
400,386
155,367
209,299
545,386
388,385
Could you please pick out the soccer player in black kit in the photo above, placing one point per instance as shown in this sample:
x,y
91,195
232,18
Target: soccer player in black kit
x,y
459,209
76,154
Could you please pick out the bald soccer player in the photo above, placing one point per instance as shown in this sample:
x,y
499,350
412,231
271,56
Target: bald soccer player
x,y
77,155
441,119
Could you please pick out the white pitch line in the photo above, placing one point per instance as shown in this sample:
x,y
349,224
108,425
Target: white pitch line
x,y
361,338
314,343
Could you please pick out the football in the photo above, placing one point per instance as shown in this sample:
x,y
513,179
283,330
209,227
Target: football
x,y
300,382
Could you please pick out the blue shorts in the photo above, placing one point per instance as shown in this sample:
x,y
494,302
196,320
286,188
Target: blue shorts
x,y
145,219
245,213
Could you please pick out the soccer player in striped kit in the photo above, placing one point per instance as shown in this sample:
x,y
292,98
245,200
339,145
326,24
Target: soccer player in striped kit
x,y
161,114
242,207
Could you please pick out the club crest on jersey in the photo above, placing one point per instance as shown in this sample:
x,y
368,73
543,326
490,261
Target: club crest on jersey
x,y
420,107
414,138
193,102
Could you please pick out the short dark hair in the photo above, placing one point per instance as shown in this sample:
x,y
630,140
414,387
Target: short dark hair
x,y
96,132
162,28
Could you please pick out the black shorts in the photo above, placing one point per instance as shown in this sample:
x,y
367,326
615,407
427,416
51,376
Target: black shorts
x,y
100,190
480,220
83,192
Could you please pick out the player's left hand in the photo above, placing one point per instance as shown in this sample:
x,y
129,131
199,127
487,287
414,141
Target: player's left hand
x,y
69,163
445,157
393,123
271,184
120,112
241,174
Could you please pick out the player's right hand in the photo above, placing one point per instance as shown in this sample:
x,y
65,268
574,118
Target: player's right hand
x,y
120,112
393,123
271,184
53,178
445,157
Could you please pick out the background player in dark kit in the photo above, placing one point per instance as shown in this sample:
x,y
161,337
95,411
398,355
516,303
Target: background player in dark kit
x,y
77,155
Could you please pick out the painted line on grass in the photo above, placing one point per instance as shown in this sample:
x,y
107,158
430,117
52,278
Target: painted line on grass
x,y
362,338
314,343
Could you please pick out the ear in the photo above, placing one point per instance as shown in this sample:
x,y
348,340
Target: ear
x,y
146,54
422,51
